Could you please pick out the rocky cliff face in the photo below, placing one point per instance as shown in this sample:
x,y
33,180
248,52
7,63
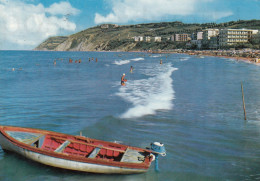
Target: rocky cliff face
x,y
51,43
99,38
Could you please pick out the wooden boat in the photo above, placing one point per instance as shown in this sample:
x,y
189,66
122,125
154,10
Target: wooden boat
x,y
76,152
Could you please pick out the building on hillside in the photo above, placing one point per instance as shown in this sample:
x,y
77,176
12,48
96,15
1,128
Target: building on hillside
x,y
172,38
233,36
148,39
104,26
182,37
157,39
199,35
138,38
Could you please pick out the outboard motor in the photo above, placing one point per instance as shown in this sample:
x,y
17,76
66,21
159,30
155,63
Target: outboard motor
x,y
158,148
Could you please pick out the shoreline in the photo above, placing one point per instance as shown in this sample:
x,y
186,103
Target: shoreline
x,y
247,55
252,56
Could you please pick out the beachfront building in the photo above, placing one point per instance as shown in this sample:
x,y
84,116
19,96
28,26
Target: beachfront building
x,y
197,36
233,36
213,43
182,37
157,39
196,43
208,33
210,38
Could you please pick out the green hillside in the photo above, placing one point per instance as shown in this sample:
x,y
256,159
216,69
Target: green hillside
x,y
113,37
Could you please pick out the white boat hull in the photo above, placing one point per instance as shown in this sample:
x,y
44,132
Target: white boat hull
x,y
64,163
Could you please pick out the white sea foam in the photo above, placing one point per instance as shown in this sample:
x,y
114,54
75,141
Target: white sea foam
x,y
121,62
156,56
184,58
137,59
149,95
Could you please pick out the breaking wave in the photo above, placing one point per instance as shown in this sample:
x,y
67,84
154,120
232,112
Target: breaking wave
x,y
151,94
121,62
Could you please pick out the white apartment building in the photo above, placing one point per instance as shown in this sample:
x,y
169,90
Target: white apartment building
x,y
138,38
148,39
182,37
157,39
208,33
197,35
233,36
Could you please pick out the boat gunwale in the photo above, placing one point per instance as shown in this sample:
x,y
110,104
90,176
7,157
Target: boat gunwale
x,y
100,161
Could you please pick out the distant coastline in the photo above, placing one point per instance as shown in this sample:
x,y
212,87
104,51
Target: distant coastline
x,y
159,36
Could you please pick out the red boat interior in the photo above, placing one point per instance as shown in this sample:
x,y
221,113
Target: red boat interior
x,y
82,147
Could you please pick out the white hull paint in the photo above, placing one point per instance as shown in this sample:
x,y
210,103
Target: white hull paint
x,y
66,164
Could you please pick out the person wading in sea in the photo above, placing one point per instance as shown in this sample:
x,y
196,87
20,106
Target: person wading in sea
x,y
131,69
123,80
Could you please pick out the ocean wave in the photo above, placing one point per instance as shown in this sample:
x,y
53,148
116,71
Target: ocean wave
x,y
149,95
137,59
121,62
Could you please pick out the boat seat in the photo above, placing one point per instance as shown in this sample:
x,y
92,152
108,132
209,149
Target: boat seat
x,y
132,156
94,153
38,142
62,146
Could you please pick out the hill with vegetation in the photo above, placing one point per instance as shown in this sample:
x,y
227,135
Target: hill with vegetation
x,y
110,37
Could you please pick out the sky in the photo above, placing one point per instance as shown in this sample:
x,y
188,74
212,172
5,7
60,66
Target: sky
x,y
24,24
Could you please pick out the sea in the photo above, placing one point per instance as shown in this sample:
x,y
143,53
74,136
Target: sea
x,y
193,105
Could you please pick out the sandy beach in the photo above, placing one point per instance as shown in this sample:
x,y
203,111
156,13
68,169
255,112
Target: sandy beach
x,y
248,55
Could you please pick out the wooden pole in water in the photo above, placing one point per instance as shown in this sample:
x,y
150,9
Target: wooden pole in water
x,y
244,106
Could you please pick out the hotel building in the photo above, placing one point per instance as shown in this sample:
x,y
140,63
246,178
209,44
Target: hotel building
x,y
233,36
182,37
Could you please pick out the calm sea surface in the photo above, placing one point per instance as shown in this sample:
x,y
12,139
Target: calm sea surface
x,y
193,105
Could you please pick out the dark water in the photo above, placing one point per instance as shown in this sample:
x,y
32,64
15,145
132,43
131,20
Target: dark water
x,y
193,105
